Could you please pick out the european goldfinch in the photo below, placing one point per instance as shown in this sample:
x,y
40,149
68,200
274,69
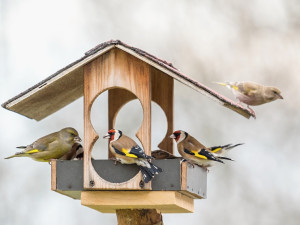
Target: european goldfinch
x,y
127,151
196,153
52,146
252,93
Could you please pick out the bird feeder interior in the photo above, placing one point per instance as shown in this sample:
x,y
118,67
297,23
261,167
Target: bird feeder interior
x,y
127,73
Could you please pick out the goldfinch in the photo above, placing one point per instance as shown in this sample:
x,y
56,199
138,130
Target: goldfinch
x,y
52,146
127,151
196,153
252,93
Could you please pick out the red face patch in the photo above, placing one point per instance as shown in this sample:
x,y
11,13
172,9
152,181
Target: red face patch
x,y
111,132
177,135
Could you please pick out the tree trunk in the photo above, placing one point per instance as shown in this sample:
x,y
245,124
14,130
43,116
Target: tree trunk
x,y
139,217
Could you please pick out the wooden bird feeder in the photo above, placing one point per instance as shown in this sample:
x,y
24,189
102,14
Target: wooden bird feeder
x,y
127,73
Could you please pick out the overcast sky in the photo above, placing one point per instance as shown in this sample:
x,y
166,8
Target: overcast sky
x,y
208,41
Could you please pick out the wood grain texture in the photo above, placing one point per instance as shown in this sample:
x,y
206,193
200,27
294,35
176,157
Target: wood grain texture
x,y
115,69
53,175
110,201
162,91
139,216
183,175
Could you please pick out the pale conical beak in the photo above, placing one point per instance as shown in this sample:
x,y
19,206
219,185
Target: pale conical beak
x,y
77,139
107,136
280,96
172,136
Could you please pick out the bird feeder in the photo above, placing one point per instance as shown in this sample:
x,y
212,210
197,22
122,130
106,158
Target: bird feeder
x,y
127,73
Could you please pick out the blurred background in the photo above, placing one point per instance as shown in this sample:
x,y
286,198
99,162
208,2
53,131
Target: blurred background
x,y
207,40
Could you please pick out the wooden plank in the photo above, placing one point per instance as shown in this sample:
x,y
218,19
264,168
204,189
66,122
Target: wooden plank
x,y
164,201
183,175
53,175
115,69
50,97
162,91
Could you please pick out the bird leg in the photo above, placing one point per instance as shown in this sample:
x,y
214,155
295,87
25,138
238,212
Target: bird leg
x,y
115,160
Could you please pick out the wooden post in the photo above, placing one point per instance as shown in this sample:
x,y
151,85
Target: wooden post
x,y
139,217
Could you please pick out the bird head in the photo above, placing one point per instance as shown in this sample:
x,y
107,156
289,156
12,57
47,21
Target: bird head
x,y
113,135
273,93
70,134
179,135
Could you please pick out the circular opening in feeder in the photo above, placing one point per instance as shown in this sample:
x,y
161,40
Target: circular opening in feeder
x,y
128,119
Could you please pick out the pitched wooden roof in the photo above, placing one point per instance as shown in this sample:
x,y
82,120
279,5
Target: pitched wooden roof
x,y
66,85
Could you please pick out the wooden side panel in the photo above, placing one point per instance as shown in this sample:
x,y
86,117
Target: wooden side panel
x,y
164,201
53,175
115,69
162,87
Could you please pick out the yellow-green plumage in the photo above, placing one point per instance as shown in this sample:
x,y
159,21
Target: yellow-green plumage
x,y
52,146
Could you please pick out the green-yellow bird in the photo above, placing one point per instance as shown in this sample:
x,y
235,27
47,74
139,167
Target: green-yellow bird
x,y
252,93
51,146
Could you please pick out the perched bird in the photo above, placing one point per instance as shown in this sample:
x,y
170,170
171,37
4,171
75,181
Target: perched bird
x,y
252,93
127,151
196,153
52,146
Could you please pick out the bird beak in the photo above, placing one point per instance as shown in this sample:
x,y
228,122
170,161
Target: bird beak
x,y
172,136
280,96
107,136
77,139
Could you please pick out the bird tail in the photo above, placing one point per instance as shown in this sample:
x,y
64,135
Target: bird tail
x,y
225,158
149,170
17,154
216,149
229,85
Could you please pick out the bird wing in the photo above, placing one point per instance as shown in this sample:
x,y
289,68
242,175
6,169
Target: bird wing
x,y
139,152
202,154
41,144
248,88
216,149
134,152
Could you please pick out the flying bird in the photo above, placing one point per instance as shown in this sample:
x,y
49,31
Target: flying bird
x,y
52,146
127,151
196,153
252,93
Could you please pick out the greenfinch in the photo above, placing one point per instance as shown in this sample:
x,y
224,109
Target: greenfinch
x,y
252,93
196,153
52,146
